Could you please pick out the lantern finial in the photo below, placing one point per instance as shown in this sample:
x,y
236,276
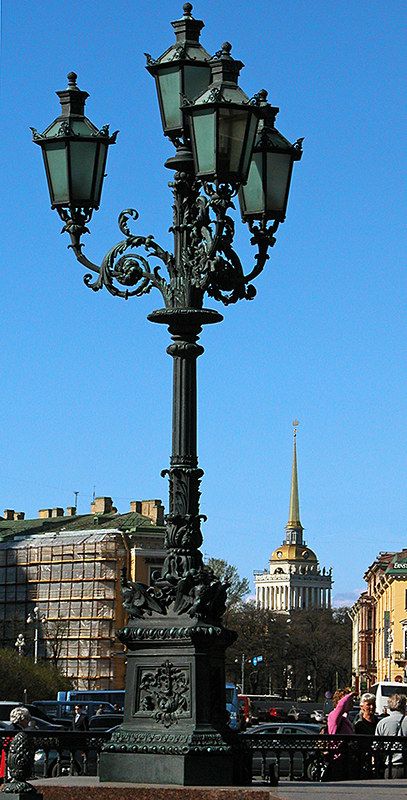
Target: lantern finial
x,y
72,76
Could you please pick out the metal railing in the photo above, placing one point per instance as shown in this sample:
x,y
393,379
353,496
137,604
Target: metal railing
x,y
265,757
323,757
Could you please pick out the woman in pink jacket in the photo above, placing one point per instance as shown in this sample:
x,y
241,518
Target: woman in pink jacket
x,y
337,721
338,766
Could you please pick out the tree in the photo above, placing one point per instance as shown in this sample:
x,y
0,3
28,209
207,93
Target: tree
x,y
260,633
239,587
316,643
56,632
320,645
42,680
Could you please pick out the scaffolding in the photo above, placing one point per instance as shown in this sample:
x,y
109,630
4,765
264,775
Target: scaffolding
x,y
73,579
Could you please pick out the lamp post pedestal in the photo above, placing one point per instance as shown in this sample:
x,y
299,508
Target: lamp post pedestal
x,y
175,727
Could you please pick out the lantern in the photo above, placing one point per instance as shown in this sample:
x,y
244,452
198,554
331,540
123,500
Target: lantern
x,y
181,73
223,123
265,194
74,152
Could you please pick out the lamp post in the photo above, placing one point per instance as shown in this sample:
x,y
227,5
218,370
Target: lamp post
x,y
389,650
175,683
20,644
36,618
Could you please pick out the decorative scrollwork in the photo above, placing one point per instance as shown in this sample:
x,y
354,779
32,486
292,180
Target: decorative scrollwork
x,y
164,692
205,260
132,269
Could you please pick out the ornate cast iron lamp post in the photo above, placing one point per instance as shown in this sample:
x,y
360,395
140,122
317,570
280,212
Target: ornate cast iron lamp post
x,y
175,684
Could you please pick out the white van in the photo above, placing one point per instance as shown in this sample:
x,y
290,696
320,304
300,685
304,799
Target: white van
x,y
383,690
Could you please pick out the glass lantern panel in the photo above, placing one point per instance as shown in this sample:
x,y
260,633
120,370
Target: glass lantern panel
x,y
100,172
250,143
83,156
81,128
169,87
252,192
278,176
204,130
55,154
232,129
196,80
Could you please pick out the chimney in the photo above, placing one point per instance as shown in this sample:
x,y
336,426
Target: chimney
x,y
153,509
57,512
102,505
9,513
19,515
71,511
45,513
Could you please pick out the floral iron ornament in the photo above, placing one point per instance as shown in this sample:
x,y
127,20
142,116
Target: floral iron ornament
x,y
205,262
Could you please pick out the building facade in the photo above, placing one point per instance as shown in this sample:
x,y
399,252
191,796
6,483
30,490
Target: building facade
x,y
294,580
379,619
68,567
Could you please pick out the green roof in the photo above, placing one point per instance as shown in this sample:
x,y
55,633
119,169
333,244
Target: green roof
x,y
132,522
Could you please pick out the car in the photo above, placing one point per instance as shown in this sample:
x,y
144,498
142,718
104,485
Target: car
x,y
104,722
268,764
62,711
318,716
298,714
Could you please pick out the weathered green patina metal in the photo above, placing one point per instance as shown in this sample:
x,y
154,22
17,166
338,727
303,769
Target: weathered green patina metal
x,y
175,684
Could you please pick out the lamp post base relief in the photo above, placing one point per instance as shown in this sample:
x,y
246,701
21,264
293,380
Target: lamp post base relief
x,y
175,722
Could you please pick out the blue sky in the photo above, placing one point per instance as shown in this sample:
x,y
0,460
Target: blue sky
x,y
86,382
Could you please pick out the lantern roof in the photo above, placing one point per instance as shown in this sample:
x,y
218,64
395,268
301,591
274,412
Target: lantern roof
x,y
72,121
186,46
225,71
268,136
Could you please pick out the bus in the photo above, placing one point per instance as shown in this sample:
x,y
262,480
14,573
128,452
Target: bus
x,y
113,696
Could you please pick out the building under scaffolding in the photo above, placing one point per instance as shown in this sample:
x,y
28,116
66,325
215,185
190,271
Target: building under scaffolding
x,y
69,567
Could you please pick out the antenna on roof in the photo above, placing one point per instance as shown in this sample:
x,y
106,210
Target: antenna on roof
x,y
94,494
76,500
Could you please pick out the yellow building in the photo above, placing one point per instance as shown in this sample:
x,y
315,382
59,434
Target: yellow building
x,y
380,622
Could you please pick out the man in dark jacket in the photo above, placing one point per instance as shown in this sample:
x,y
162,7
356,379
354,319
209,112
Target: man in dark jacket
x,y
80,720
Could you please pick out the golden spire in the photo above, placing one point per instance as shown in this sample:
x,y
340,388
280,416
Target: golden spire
x,y
294,512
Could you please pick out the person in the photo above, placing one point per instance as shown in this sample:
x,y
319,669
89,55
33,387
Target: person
x,y
337,718
337,765
80,720
365,723
100,710
394,724
20,718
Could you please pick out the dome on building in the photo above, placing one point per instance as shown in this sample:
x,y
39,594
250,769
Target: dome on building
x,y
293,552
294,579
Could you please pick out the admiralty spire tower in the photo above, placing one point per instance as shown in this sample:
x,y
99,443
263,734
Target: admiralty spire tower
x,y
294,580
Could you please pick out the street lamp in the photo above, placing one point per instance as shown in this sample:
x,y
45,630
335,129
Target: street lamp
x,y
389,649
175,682
36,618
20,644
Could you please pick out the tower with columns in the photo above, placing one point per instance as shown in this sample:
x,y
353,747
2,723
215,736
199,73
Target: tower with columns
x,y
294,579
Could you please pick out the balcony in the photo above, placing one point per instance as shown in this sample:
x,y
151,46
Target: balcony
x,y
400,656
